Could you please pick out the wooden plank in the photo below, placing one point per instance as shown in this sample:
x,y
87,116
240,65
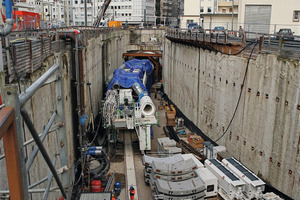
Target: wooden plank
x,y
5,115
12,156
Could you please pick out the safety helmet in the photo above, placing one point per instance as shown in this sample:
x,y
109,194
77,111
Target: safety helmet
x,y
131,187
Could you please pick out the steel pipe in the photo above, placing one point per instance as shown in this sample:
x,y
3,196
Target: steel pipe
x,y
138,89
39,190
37,85
36,148
42,149
59,171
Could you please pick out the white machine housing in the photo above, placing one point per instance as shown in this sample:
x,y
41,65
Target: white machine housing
x,y
254,185
228,182
210,181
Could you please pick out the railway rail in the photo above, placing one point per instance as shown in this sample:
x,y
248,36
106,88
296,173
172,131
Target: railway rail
x,y
186,148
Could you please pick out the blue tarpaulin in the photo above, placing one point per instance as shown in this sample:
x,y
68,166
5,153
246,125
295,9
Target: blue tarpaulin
x,y
127,79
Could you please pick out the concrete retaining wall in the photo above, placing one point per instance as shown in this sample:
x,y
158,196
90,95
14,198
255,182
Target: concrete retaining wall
x,y
265,133
101,56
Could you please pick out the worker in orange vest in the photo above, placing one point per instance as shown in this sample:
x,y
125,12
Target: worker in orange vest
x,y
131,192
113,197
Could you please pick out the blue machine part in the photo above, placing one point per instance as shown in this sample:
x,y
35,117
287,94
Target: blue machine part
x,y
127,79
83,119
117,187
94,152
8,8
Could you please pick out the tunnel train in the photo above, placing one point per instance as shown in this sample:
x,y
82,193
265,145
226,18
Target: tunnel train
x,y
128,104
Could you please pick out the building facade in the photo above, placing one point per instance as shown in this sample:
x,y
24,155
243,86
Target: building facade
x,y
213,13
268,16
53,13
132,11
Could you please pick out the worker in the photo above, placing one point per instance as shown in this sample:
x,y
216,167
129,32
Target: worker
x,y
131,192
113,197
241,32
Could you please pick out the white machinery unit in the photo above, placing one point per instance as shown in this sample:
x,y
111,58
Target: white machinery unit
x,y
210,181
254,185
229,183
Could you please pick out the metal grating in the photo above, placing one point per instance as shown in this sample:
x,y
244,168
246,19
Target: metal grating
x,y
224,170
242,169
96,196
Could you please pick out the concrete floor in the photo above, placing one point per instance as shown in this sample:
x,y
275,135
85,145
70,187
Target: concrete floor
x,y
118,163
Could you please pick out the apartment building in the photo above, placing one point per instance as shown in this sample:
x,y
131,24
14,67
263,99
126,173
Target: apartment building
x,y
132,11
170,11
212,13
54,12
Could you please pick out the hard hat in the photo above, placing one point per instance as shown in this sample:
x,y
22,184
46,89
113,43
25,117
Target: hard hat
x,y
131,187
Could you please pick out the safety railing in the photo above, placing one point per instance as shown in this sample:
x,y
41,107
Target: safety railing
x,y
269,43
12,98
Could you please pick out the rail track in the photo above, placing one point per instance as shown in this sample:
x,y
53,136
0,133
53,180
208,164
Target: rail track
x,y
186,148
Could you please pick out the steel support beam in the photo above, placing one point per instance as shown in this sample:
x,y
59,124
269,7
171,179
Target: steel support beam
x,y
42,149
61,132
39,190
45,195
59,171
77,68
37,85
10,97
36,148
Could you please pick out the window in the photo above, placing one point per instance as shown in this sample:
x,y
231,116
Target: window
x,y
210,188
189,21
296,15
230,10
202,9
76,2
129,14
62,16
119,7
223,10
209,9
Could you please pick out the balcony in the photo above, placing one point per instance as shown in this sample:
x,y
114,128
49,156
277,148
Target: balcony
x,y
227,3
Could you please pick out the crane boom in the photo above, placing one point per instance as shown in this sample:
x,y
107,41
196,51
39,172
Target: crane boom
x,y
101,12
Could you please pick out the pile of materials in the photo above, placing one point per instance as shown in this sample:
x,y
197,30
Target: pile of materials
x,y
195,141
167,146
171,115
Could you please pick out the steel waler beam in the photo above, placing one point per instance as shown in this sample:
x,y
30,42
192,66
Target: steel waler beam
x,y
37,85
